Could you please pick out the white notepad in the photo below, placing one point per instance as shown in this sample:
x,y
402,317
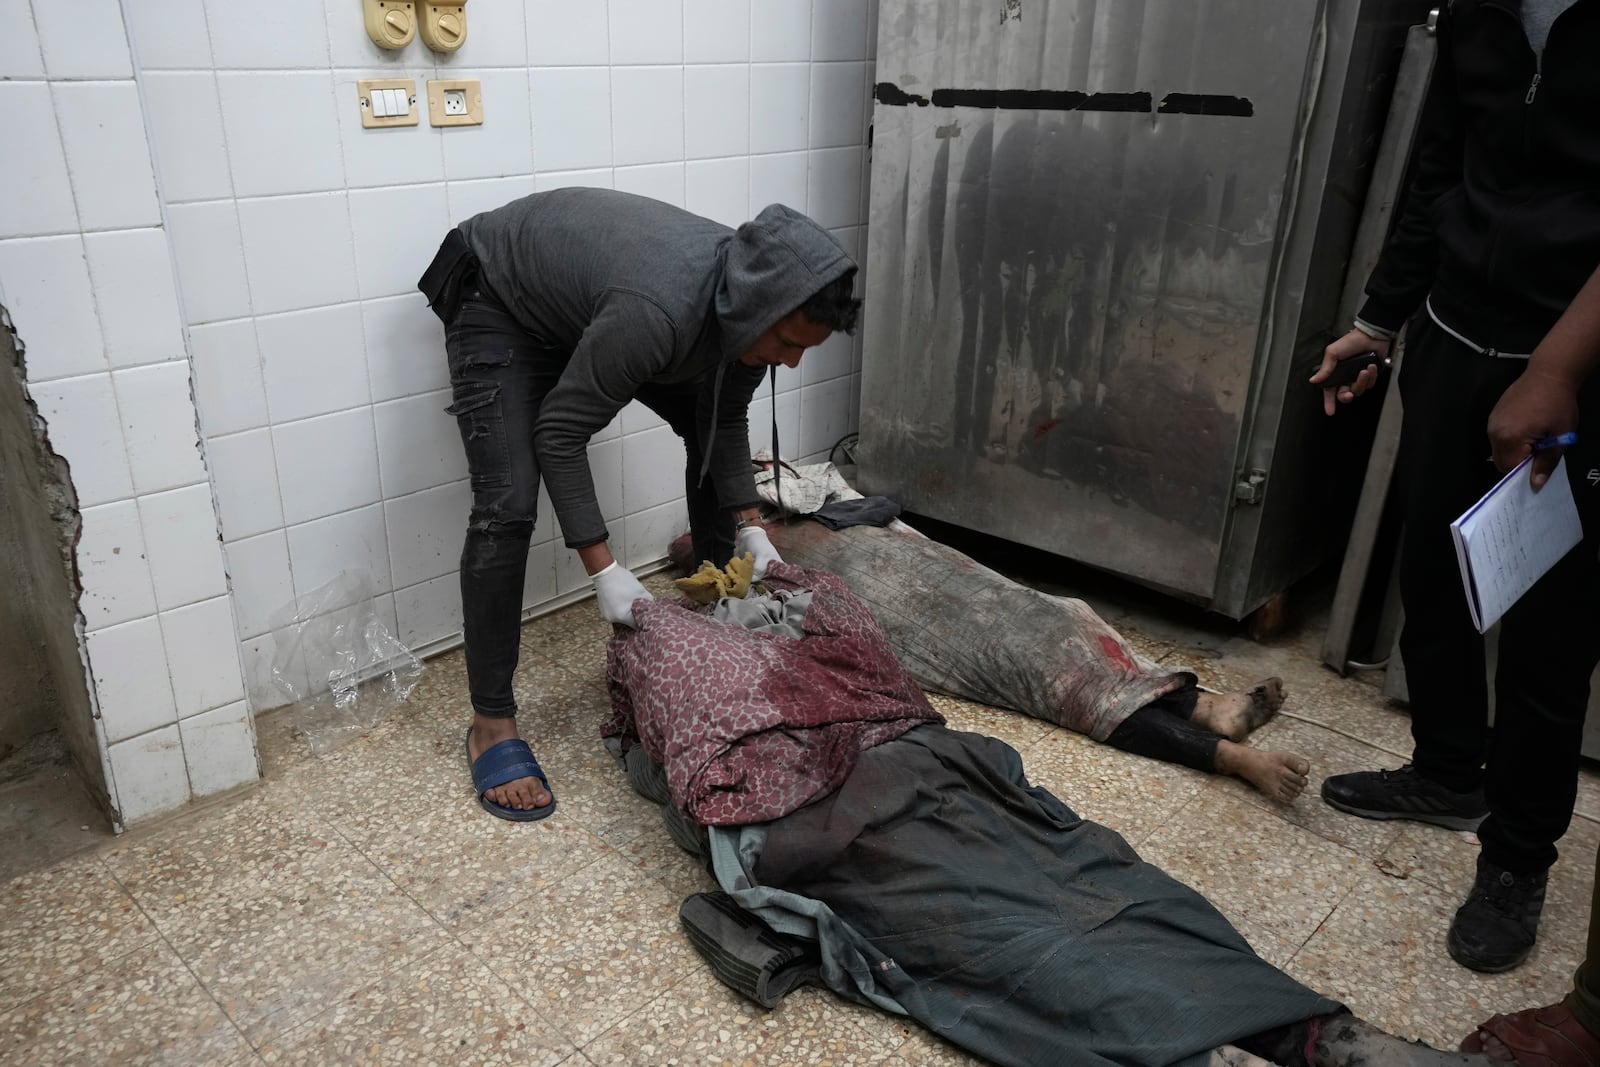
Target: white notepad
x,y
1511,538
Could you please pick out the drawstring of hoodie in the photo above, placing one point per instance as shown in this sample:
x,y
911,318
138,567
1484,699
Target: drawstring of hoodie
x,y
777,457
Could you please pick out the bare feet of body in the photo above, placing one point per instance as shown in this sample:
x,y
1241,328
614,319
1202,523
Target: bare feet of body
x,y
1279,776
524,793
1237,715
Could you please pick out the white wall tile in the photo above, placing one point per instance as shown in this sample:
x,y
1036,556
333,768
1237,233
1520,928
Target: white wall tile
x,y
564,34
83,39
780,101
788,424
838,30
405,347
158,426
19,45
129,666
838,104
570,576
38,196
229,394
210,253
605,463
824,415
872,28
396,155
833,186
313,362
539,581
497,36
108,154
716,103
571,118
572,179
244,477
283,133
716,31
652,468
426,531
261,689
419,446
430,611
284,33
298,251
44,284
111,561
833,358
138,299
397,232
470,198
658,181
326,465
855,401
500,146
349,45
652,530
169,34
81,418
780,31
186,131
258,574
788,379
646,31
647,114
351,540
149,774
180,535
636,417
203,656
719,189
778,179
220,748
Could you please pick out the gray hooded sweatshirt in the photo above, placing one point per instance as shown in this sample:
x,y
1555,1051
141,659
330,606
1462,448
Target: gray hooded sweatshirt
x,y
631,291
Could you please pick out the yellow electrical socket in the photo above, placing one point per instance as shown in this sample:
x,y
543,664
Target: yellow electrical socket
x,y
455,102
388,102
390,23
444,24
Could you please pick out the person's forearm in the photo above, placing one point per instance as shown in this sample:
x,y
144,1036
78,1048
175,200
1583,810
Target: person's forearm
x,y
596,557
1571,350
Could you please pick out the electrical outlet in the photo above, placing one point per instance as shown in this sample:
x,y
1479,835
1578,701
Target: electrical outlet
x,y
455,102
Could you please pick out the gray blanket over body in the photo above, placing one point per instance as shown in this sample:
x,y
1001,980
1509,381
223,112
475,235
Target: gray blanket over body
x,y
940,883
963,629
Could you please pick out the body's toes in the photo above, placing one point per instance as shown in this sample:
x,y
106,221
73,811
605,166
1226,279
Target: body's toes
x,y
524,794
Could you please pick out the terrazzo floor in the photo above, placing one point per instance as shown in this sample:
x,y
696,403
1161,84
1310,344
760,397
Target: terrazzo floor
x,y
361,908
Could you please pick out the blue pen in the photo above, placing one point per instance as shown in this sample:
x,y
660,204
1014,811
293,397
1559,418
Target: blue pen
x,y
1560,440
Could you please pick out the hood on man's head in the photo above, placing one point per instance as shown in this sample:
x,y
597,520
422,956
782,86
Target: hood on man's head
x,y
774,263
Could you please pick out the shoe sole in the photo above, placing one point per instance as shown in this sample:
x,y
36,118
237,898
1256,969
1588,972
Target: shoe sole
x,y
1449,822
1471,963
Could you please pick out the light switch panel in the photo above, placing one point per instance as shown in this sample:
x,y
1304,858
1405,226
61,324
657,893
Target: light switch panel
x,y
455,102
390,23
388,102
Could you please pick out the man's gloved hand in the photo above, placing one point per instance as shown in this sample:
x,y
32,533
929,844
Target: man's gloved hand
x,y
754,540
616,588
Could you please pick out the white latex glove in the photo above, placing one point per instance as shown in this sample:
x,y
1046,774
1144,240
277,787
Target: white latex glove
x,y
616,589
754,540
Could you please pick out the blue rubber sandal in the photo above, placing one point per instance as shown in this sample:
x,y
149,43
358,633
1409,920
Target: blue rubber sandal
x,y
503,762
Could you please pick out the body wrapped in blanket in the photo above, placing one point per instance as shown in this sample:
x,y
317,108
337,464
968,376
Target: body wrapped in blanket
x,y
924,872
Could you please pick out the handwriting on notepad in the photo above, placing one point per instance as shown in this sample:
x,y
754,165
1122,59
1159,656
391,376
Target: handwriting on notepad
x,y
1511,538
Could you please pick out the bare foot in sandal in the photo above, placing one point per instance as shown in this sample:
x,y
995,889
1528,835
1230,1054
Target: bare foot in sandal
x,y
524,794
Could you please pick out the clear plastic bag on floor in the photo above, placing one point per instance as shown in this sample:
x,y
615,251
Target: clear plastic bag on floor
x,y
337,661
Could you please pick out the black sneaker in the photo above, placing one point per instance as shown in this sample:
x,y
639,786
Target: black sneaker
x,y
1494,930
1404,794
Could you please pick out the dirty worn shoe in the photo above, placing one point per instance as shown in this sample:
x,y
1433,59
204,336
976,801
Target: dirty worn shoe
x,y
1404,794
1537,1037
1495,929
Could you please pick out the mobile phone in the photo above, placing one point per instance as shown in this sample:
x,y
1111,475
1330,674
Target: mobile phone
x,y
1347,370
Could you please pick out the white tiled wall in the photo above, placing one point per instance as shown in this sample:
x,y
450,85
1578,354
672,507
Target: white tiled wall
x,y
87,275
319,370
278,247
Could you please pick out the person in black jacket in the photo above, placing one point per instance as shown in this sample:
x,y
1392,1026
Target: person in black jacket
x,y
1499,230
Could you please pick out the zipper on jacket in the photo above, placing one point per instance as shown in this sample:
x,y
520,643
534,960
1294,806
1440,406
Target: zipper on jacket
x,y
1533,87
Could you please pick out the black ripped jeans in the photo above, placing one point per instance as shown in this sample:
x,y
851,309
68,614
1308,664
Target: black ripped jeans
x,y
499,375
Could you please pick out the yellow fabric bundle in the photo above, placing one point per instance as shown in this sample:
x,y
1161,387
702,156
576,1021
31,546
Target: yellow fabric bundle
x,y
709,583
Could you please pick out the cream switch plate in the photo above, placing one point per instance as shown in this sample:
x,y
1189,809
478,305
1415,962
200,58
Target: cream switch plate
x,y
390,23
388,102
444,24
455,102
